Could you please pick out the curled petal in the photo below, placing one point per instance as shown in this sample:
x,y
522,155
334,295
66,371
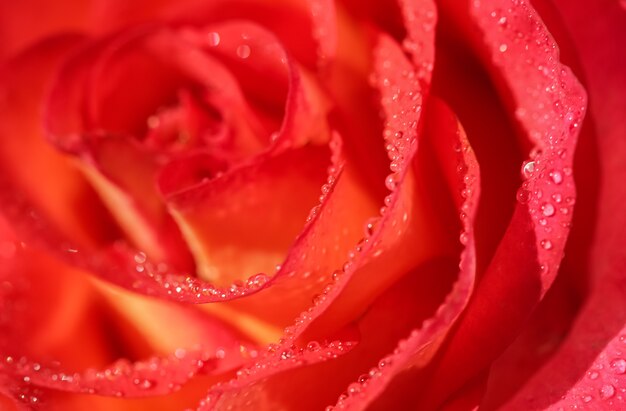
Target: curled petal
x,y
537,230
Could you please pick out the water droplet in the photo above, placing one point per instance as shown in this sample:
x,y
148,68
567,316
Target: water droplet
x,y
607,391
587,398
213,39
243,51
385,362
593,375
547,209
618,366
143,384
258,280
354,388
391,182
463,238
528,168
313,346
503,47
523,196
546,244
370,226
556,176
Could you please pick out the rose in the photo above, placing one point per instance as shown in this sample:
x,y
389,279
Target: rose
x,y
467,352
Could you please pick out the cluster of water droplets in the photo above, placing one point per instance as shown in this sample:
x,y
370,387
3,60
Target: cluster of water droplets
x,y
334,169
542,189
157,279
402,102
467,179
278,357
550,106
324,28
400,143
606,380
154,376
213,39
420,19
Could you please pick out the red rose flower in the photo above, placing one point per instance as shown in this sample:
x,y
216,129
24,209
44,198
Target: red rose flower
x,y
299,205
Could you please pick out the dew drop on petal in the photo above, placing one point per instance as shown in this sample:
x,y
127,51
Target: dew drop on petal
x,y
243,51
546,244
523,195
391,182
547,209
528,168
463,238
313,346
257,280
607,391
354,388
213,39
618,366
556,176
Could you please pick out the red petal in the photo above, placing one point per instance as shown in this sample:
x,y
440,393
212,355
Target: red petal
x,y
403,102
548,104
324,18
62,318
583,372
420,344
250,212
24,23
69,203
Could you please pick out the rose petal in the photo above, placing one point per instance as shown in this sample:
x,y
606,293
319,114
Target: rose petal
x,y
552,126
580,373
250,212
402,100
40,321
537,342
21,26
24,82
324,18
537,227
419,17
407,95
148,224
125,61
416,350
